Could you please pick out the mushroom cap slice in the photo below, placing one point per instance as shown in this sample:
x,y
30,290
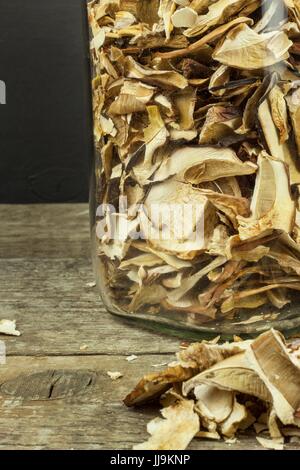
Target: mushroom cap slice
x,y
198,164
272,206
243,48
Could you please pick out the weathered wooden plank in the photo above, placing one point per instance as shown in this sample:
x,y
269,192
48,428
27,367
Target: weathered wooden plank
x,y
57,313
93,419
44,231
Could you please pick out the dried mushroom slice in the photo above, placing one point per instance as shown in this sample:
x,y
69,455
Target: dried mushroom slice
x,y
243,48
282,151
269,358
293,102
163,78
152,386
220,126
175,431
272,206
199,164
218,13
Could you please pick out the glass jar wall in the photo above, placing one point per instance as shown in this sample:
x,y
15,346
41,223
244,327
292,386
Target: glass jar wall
x,y
195,193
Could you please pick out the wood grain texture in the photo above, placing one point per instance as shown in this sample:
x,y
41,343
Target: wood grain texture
x,y
54,390
93,419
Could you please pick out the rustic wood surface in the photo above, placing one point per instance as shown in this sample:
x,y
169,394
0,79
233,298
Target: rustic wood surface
x,y
54,389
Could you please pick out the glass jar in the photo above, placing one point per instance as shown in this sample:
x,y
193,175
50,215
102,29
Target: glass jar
x,y
195,193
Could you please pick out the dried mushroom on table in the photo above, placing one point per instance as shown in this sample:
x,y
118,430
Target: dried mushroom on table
x,y
198,103
216,391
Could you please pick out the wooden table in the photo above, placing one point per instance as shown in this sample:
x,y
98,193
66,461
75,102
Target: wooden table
x,y
55,392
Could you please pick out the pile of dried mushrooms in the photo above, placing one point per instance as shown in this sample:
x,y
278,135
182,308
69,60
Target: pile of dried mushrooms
x,y
198,101
216,391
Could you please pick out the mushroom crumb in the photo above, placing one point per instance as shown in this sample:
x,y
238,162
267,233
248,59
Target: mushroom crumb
x,y
8,327
114,375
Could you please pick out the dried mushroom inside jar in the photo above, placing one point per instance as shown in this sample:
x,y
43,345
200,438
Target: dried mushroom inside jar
x,y
197,130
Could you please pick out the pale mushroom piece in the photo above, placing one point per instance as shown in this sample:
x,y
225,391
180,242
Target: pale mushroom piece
x,y
171,260
146,260
272,444
183,135
185,103
90,285
220,125
140,91
166,103
155,137
250,110
197,46
281,151
279,112
213,403
173,282
98,40
293,102
179,425
107,126
165,78
123,19
107,65
273,425
126,104
131,358
8,327
231,424
220,77
269,358
218,12
272,206
199,164
243,48
165,11
217,245
147,295
184,17
114,375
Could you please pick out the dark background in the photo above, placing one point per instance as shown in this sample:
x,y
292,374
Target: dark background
x,y
45,127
